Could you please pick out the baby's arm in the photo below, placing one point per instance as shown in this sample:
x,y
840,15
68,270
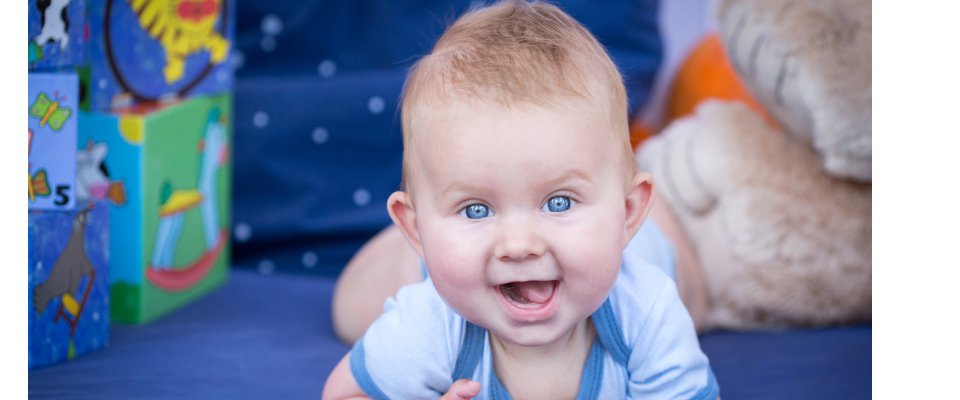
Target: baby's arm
x,y
341,385
407,353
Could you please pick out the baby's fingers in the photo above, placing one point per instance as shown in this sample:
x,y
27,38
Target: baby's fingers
x,y
463,389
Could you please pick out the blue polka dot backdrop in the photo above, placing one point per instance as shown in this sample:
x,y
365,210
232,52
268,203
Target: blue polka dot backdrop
x,y
318,145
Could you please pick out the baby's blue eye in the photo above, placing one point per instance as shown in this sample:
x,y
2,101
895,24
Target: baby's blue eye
x,y
475,211
559,204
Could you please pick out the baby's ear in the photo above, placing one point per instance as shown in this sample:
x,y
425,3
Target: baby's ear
x,y
405,217
638,202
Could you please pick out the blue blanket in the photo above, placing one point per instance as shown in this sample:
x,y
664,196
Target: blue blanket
x,y
270,337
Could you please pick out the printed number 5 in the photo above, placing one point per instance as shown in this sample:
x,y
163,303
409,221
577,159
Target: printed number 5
x,y
62,197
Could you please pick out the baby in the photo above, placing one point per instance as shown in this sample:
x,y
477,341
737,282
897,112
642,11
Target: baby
x,y
522,197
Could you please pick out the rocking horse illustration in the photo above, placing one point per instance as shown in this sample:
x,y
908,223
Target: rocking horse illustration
x,y
176,203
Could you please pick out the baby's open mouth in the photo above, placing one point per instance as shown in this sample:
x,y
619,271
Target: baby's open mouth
x,y
530,294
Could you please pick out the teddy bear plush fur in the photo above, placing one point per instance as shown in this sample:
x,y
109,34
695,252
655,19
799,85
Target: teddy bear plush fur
x,y
809,63
780,216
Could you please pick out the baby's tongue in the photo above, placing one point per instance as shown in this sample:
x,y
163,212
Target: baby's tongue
x,y
533,291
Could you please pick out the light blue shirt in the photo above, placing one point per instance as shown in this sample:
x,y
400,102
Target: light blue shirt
x,y
646,345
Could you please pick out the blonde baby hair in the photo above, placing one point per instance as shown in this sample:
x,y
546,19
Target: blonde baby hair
x,y
509,53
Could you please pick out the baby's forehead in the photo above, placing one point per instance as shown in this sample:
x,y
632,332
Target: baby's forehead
x,y
446,128
452,110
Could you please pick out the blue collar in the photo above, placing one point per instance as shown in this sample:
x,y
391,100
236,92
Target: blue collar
x,y
609,339
590,381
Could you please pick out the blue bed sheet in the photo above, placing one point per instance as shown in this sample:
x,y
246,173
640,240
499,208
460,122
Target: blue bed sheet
x,y
270,337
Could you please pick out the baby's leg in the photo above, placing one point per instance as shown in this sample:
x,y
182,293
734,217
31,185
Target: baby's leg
x,y
376,272
691,282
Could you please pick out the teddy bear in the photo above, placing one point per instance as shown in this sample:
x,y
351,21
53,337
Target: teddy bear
x,y
777,204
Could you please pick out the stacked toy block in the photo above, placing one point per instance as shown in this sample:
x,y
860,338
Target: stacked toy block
x,y
157,132
171,211
52,140
156,51
56,37
68,239
69,295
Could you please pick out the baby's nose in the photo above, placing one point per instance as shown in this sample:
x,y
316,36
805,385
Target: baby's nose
x,y
519,241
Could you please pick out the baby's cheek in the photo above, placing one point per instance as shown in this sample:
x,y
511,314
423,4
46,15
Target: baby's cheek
x,y
454,274
597,285
460,291
595,271
454,278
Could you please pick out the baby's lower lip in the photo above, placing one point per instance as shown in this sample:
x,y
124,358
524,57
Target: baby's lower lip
x,y
528,311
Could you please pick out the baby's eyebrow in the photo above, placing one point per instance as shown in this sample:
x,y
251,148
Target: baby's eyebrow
x,y
565,178
568,177
456,190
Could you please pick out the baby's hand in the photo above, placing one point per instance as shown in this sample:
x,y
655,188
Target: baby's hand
x,y
463,389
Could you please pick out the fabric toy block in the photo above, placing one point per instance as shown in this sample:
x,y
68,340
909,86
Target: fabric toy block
x,y
52,131
166,171
69,298
56,37
148,51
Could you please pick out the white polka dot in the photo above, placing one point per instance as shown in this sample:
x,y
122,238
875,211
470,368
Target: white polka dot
x,y
265,267
271,25
96,316
237,59
39,265
320,135
327,68
375,104
102,83
361,197
260,119
268,43
242,232
309,259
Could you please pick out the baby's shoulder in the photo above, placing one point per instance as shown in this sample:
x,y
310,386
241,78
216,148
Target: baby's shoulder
x,y
418,307
639,283
415,340
642,297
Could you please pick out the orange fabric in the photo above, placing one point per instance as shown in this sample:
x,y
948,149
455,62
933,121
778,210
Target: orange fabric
x,y
707,73
639,131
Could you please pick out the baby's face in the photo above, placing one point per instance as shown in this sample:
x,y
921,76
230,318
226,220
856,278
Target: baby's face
x,y
521,215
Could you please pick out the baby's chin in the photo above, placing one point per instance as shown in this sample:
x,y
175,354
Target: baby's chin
x,y
526,340
537,335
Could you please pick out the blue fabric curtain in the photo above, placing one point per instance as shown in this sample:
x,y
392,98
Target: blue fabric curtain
x,y
318,147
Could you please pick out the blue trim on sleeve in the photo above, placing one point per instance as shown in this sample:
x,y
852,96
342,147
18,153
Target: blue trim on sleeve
x,y
358,366
471,350
712,391
608,330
